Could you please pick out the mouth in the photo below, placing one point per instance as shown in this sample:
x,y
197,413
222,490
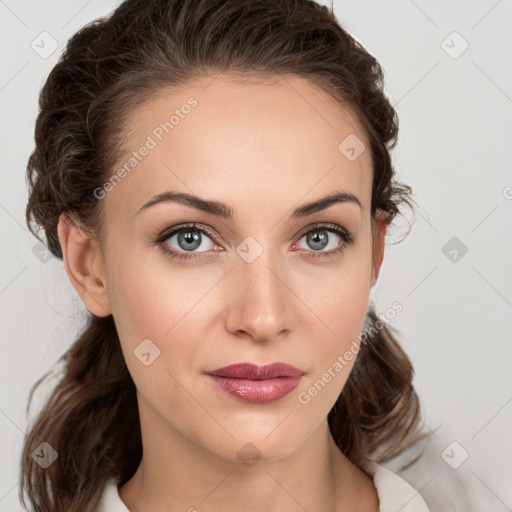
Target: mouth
x,y
257,384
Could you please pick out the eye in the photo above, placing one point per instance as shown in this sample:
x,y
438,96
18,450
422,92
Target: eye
x,y
321,237
188,239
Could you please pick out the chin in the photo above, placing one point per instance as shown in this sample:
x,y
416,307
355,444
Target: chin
x,y
250,446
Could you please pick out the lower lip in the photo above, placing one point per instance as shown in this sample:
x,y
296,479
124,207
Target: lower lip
x,y
257,391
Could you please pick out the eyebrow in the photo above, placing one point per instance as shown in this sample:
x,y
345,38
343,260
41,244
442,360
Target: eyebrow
x,y
223,210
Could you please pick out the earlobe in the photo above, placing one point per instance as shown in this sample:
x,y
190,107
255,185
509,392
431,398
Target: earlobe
x,y
83,262
379,244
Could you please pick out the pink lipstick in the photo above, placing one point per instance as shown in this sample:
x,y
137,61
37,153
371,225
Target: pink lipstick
x,y
257,384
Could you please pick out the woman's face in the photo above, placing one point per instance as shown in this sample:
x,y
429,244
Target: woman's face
x,y
260,285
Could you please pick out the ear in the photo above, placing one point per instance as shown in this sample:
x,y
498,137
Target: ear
x,y
84,265
379,242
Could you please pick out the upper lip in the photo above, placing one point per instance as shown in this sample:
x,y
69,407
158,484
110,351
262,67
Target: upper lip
x,y
257,372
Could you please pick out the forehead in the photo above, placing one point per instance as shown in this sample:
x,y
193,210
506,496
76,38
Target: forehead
x,y
244,143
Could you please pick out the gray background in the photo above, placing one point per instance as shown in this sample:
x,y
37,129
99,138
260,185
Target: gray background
x,y
455,113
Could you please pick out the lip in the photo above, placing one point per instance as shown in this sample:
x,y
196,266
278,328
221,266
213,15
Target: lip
x,y
257,384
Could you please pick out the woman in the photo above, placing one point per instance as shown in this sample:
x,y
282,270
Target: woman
x,y
216,177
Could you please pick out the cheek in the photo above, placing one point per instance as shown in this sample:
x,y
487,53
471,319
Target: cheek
x,y
339,296
339,302
347,304
152,301
144,299
333,354
150,313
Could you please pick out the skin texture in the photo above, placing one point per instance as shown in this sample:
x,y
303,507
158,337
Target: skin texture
x,y
264,148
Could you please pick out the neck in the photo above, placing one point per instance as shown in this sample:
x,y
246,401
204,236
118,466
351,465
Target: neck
x,y
177,474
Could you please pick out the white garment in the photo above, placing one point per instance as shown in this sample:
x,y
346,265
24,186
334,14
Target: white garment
x,y
395,494
465,489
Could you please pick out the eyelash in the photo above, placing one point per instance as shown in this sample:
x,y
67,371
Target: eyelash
x,y
333,228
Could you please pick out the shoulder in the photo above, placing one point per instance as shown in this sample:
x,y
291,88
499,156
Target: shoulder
x,y
395,493
443,488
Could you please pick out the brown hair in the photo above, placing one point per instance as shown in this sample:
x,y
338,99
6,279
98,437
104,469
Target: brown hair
x,y
108,68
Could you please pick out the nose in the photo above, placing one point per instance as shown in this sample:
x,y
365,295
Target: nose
x,y
262,303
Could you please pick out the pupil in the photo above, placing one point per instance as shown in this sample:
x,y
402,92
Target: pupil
x,y
189,237
318,238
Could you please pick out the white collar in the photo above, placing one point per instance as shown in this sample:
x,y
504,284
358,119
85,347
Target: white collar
x,y
395,494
